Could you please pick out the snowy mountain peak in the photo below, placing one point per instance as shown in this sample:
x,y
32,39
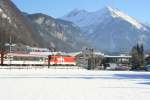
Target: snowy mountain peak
x,y
110,29
76,12
84,18
110,8
115,13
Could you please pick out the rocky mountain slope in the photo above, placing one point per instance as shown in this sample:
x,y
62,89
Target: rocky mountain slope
x,y
13,22
38,29
58,30
109,29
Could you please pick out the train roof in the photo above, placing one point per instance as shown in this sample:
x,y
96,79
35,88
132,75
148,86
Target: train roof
x,y
24,55
36,54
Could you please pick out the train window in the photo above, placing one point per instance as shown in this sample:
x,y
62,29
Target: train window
x,y
28,58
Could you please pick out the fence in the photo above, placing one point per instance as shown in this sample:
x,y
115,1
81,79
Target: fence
x,y
40,67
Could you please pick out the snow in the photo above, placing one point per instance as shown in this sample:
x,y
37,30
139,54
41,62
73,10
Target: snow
x,y
1,10
40,20
84,18
67,84
116,13
4,16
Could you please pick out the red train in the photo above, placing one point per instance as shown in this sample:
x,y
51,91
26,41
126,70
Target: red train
x,y
38,59
62,60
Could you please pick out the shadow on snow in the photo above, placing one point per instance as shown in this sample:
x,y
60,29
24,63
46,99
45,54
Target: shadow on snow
x,y
133,76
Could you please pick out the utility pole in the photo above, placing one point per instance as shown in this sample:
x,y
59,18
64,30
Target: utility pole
x,y
92,58
10,44
2,58
2,48
91,62
49,59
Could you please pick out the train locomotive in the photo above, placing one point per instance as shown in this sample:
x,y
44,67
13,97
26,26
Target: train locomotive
x,y
38,59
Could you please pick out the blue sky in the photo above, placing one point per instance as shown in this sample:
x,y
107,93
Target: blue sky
x,y
138,9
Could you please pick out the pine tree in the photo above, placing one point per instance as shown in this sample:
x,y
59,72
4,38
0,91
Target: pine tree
x,y
138,56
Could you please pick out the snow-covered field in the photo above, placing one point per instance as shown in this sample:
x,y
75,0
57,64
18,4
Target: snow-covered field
x,y
77,84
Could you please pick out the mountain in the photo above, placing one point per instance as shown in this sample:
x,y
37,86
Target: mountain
x,y
147,24
109,29
13,22
38,29
58,30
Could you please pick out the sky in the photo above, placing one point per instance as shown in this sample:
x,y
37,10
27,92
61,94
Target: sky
x,y
138,9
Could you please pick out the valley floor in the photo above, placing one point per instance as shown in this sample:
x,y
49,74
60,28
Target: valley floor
x,y
73,84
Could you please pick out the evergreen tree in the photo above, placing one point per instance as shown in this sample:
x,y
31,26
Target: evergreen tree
x,y
138,56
